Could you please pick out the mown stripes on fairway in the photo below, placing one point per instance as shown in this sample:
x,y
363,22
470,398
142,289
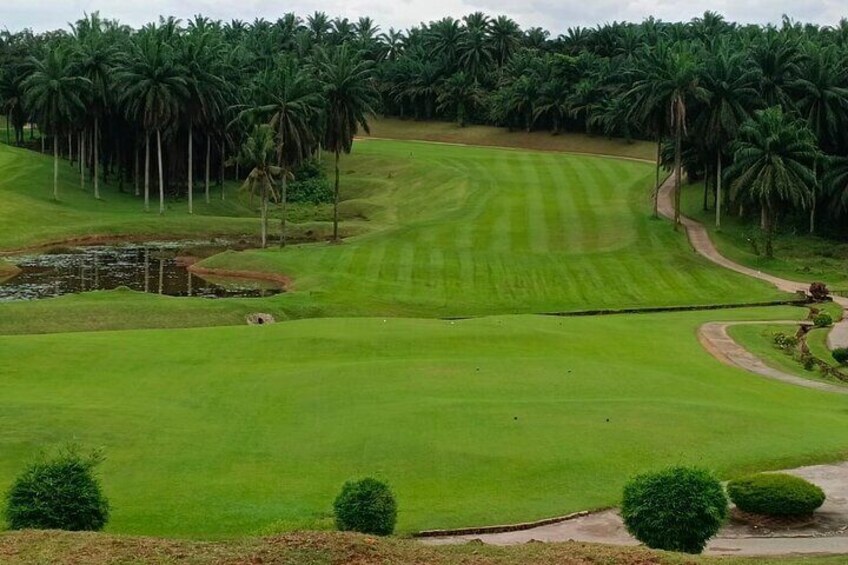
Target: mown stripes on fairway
x,y
471,231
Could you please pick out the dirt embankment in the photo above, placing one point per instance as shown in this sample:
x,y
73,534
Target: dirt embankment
x,y
310,548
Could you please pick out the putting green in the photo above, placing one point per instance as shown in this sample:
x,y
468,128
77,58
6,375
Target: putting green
x,y
226,431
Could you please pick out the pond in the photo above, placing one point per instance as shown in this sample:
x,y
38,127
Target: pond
x,y
156,267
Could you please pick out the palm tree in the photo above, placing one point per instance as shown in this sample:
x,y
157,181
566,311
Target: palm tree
x,y
289,100
671,81
459,92
153,85
257,154
55,94
349,99
821,91
773,165
730,83
202,59
95,60
505,38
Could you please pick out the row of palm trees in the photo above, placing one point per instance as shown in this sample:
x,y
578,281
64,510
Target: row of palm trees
x,y
157,96
132,102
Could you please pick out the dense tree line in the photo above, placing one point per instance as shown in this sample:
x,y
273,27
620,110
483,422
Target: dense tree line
x,y
759,113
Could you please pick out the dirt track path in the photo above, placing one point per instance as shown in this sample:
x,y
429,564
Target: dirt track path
x,y
701,242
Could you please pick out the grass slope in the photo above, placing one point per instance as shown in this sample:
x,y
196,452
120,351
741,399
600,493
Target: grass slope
x,y
798,256
29,215
325,549
450,231
227,431
448,132
471,231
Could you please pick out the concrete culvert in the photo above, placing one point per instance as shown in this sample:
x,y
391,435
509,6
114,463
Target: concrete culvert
x,y
260,319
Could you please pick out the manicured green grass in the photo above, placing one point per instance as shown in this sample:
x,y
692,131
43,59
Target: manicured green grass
x,y
470,231
448,231
226,431
798,256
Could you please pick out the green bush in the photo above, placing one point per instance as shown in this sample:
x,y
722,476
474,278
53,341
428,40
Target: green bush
x,y
775,494
677,509
366,506
807,361
823,320
840,355
61,493
784,341
310,191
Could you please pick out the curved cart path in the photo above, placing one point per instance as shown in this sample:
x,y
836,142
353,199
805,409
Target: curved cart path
x,y
701,242
828,536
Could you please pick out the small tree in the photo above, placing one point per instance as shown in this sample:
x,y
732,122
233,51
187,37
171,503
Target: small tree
x,y
819,291
677,509
366,506
61,493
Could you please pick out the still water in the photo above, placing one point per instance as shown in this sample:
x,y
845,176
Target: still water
x,y
159,268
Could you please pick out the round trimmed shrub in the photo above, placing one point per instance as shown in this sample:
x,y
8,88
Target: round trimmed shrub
x,y
775,494
366,506
61,493
823,320
677,509
840,355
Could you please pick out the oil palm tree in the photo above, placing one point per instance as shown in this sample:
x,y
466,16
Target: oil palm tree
x,y
153,85
773,165
350,99
257,154
289,100
202,59
55,94
505,38
459,93
94,59
730,83
822,99
671,81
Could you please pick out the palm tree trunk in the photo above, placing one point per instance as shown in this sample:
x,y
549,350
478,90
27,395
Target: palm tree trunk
x,y
55,167
657,184
82,160
208,158
161,175
768,230
146,171
336,202
678,142
135,176
283,210
718,189
221,178
96,157
8,131
190,172
813,200
71,149
263,213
